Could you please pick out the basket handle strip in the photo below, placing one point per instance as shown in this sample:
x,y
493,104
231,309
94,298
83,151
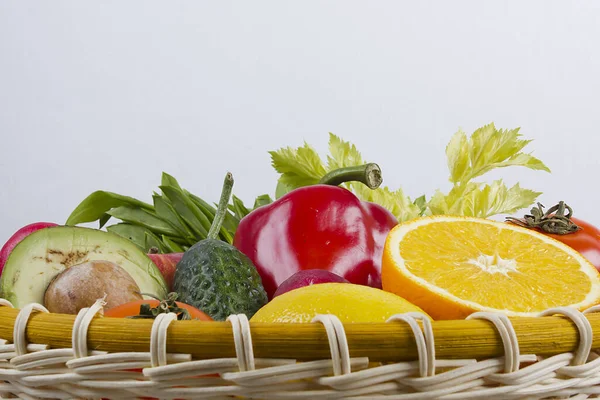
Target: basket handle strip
x,y
20,326
422,350
81,326
246,335
469,378
583,326
508,336
429,340
158,339
6,303
377,375
338,344
460,339
242,339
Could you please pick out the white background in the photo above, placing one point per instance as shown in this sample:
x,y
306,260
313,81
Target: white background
x,y
106,95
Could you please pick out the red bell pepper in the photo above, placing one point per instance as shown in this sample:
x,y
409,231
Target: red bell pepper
x,y
321,226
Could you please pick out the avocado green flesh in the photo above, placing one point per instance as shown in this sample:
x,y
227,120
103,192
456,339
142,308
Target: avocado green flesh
x,y
218,279
41,256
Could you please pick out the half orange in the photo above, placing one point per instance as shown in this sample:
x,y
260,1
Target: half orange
x,y
453,266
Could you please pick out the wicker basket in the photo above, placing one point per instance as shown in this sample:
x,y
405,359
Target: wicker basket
x,y
488,355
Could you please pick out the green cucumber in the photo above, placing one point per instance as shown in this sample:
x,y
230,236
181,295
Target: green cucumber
x,y
216,277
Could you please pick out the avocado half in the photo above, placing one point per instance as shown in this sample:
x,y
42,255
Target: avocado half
x,y
41,256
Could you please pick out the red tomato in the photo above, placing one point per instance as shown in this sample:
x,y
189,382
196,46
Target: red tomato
x,y
133,308
586,241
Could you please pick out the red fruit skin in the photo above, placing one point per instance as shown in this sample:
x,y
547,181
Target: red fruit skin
x,y
316,227
166,264
586,241
308,277
18,236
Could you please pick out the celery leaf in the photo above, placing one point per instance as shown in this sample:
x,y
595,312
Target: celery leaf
x,y
488,148
298,167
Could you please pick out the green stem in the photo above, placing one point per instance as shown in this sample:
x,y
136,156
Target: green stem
x,y
213,233
369,174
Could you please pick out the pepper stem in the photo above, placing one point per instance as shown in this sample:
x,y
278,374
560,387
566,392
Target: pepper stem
x,y
213,233
369,174
552,221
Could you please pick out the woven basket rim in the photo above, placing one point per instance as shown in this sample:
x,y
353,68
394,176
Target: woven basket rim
x,y
455,339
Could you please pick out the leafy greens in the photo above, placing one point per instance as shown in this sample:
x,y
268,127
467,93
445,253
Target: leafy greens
x,y
488,148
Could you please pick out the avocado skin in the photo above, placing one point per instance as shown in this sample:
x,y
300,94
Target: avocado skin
x,y
219,280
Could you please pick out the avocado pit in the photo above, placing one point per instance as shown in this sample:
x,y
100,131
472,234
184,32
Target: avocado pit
x,y
81,285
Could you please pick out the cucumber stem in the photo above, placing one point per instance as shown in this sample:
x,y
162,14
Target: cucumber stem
x,y
369,174
213,233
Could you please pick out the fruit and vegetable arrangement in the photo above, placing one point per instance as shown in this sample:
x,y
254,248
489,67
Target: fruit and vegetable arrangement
x,y
331,239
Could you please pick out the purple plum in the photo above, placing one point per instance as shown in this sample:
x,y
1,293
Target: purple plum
x,y
308,277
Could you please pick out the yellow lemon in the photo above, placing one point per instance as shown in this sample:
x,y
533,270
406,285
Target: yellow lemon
x,y
453,266
350,303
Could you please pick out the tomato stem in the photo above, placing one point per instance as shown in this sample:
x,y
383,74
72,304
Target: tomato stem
x,y
165,306
552,221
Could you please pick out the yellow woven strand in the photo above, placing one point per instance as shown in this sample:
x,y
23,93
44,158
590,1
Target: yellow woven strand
x,y
378,341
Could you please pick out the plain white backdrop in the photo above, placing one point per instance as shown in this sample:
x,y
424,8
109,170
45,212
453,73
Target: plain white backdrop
x,y
107,95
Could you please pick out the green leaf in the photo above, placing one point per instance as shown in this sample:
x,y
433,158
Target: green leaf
x,y
188,211
484,201
451,203
421,202
457,153
151,240
496,199
226,236
229,224
207,209
438,203
135,233
169,180
239,208
490,148
262,200
171,246
166,211
486,149
96,205
523,160
298,167
183,242
282,189
343,154
480,145
239,211
103,220
395,201
144,218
